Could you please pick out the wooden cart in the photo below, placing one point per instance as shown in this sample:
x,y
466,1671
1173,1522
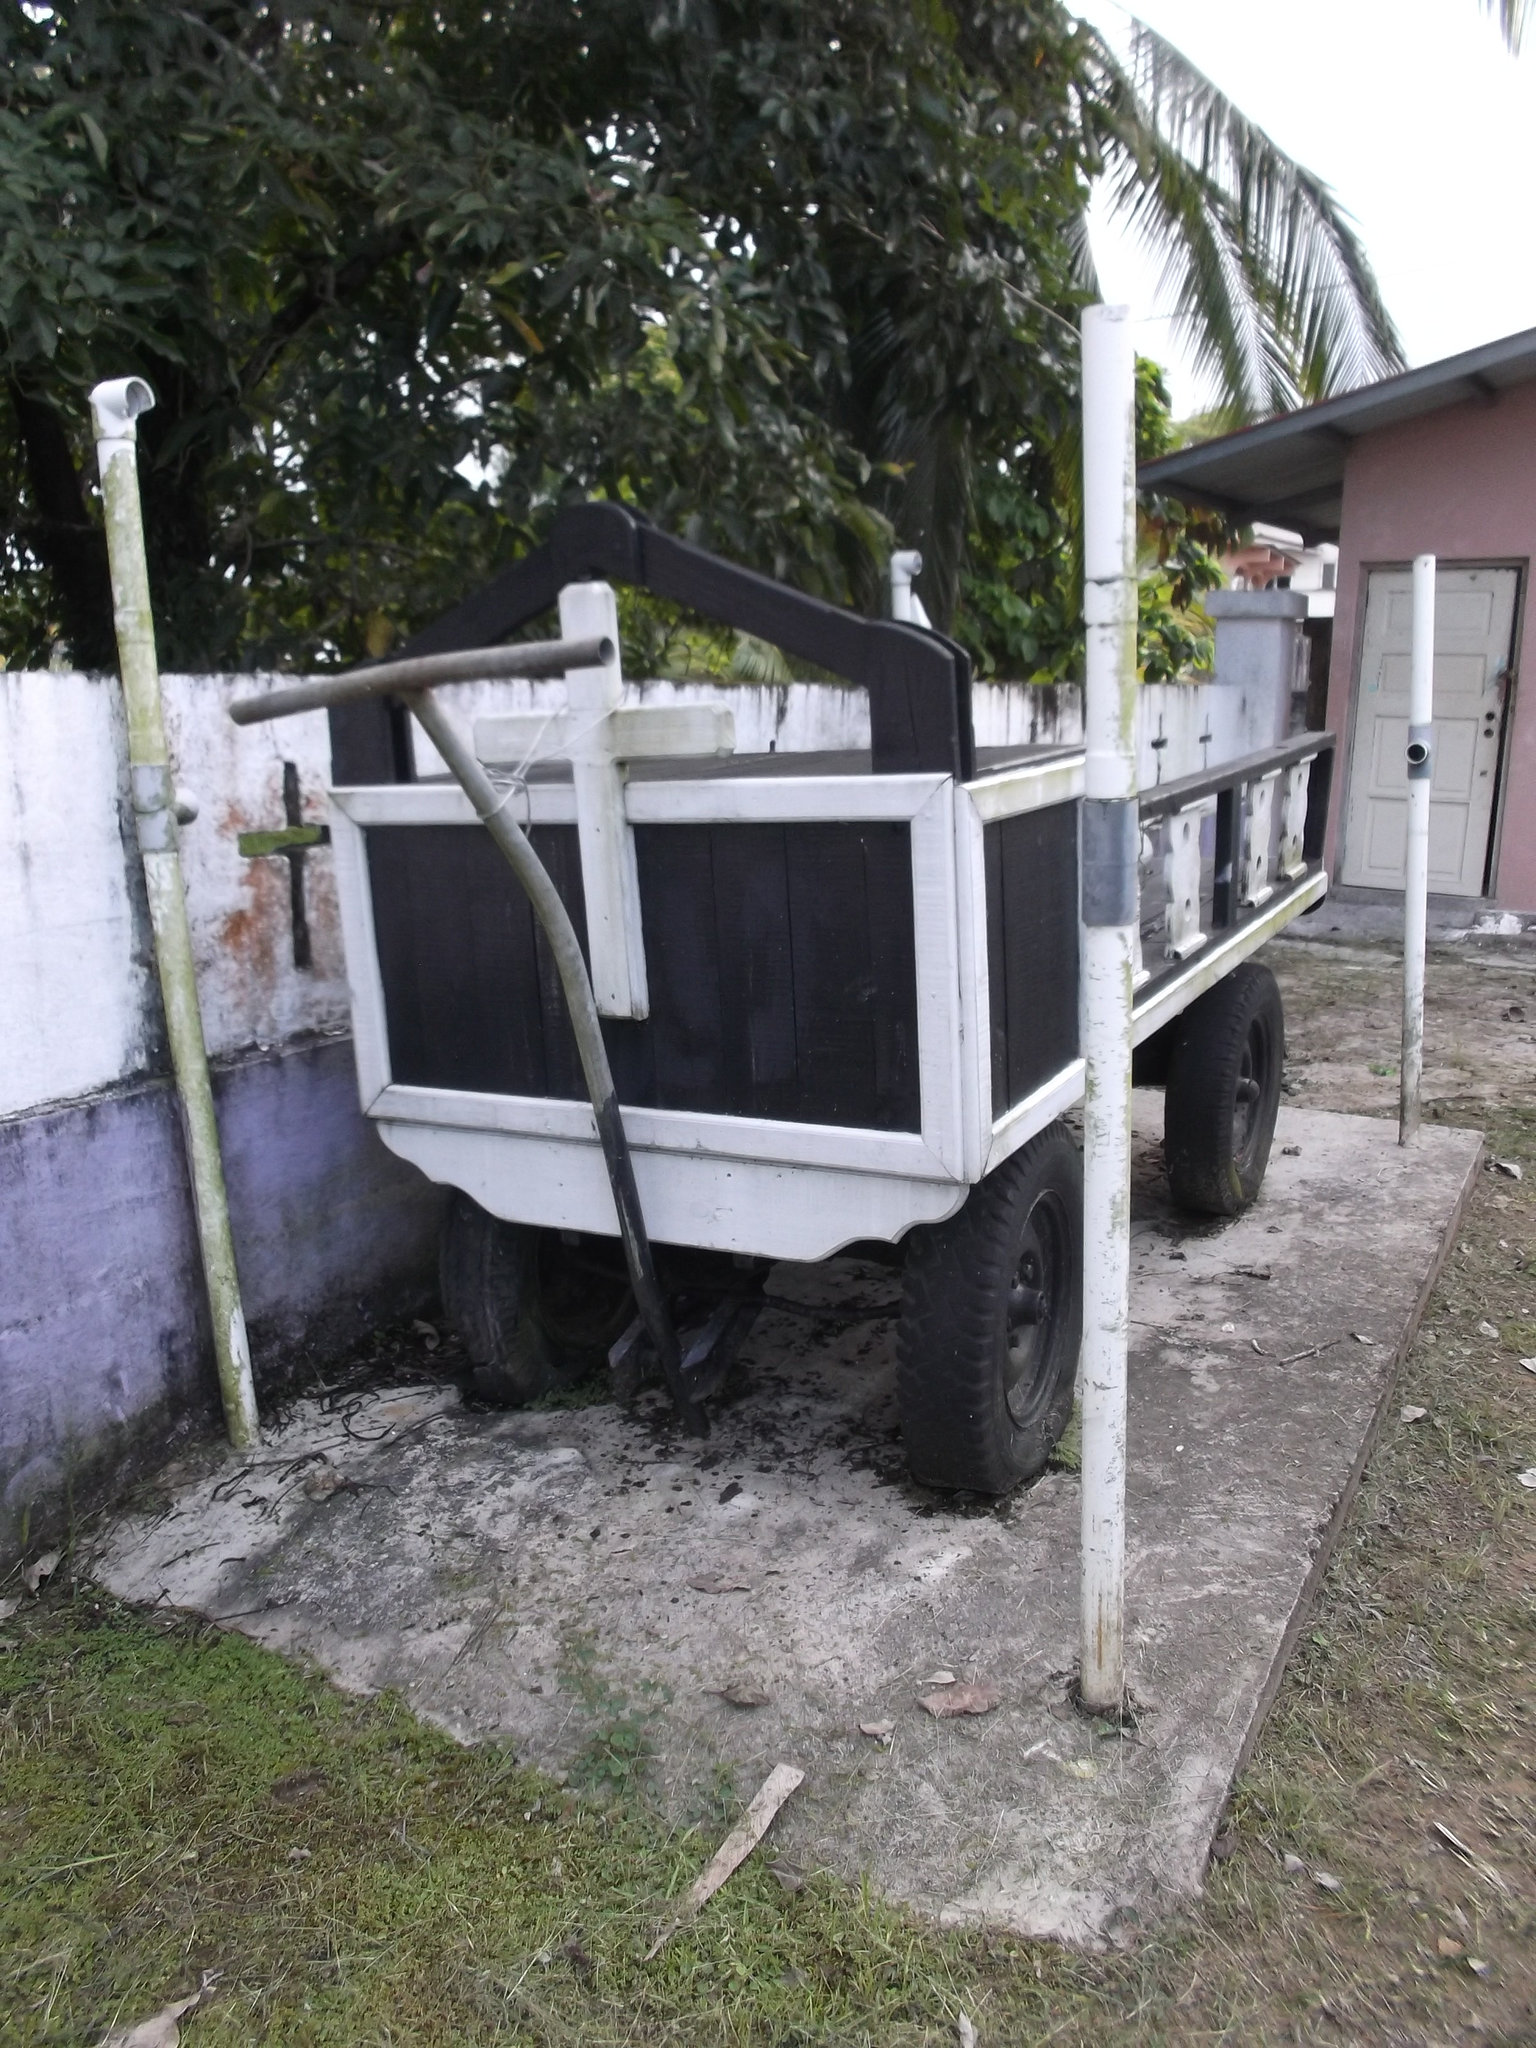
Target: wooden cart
x,y
839,991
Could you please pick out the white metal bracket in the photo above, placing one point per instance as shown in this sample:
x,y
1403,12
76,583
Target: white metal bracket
x,y
1258,829
599,737
1184,934
1293,819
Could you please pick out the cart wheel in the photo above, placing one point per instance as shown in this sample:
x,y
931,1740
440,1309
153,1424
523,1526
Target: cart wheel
x,y
991,1323
1224,1093
533,1312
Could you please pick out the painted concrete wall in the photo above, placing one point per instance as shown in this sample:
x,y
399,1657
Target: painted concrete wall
x,y
1182,728
104,1350
1461,485
105,1356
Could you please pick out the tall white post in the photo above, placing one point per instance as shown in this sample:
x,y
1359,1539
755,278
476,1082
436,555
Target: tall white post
x,y
1109,915
1421,739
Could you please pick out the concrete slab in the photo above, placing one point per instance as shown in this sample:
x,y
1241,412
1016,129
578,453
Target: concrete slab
x,y
532,1577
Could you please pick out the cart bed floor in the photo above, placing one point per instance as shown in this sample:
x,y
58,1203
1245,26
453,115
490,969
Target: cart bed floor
x,y
493,1566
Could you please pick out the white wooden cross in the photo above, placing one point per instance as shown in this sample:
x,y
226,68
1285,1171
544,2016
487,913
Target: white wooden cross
x,y
599,737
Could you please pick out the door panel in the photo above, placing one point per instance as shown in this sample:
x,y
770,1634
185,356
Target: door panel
x,y
1474,622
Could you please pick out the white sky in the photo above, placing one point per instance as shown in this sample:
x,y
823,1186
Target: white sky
x,y
1417,117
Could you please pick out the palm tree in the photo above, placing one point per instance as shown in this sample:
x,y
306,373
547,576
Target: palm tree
x,y
1271,288
1512,17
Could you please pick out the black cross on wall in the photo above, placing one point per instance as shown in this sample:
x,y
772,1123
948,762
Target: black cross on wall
x,y
290,843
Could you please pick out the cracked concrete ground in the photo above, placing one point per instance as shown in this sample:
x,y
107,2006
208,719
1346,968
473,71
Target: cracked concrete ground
x,y
547,1578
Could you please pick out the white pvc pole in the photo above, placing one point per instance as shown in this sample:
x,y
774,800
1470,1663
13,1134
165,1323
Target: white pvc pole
x,y
1109,911
114,408
1421,731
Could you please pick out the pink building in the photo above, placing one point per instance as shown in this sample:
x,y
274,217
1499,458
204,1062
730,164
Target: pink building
x,y
1438,461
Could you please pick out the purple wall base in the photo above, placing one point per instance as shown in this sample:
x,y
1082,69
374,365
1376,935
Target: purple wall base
x,y
105,1357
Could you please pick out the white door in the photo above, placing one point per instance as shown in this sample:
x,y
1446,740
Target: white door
x,y
1474,622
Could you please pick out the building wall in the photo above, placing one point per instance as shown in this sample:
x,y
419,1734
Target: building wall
x,y
1460,485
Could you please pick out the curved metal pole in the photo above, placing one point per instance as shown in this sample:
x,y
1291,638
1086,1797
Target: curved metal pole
x,y
491,806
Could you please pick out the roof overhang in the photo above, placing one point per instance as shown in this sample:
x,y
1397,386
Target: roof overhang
x,y
1291,470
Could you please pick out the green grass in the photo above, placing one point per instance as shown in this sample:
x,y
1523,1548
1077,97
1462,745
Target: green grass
x,y
175,1801
178,1801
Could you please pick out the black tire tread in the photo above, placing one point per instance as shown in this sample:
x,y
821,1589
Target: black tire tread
x,y
947,1365
1200,1095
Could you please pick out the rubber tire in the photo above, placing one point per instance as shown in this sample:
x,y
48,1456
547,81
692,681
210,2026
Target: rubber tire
x,y
1216,1161
507,1292
952,1342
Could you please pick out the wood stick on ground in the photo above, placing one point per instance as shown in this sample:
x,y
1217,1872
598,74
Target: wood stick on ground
x,y
735,1849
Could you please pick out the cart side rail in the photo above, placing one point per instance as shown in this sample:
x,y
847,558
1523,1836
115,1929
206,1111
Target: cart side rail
x,y
1227,849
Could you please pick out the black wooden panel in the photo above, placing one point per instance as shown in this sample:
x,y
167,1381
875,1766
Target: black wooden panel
x,y
757,981
780,961
1032,956
992,856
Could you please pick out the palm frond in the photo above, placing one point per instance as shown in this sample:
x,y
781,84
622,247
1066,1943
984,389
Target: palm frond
x,y
1512,16
1270,285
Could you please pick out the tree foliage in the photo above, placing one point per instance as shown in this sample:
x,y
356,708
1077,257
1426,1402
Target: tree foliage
x,y
797,279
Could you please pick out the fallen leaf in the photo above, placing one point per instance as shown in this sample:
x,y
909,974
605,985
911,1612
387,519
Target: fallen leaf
x,y
1448,1948
1080,1767
736,1848
965,2033
159,2031
1487,1329
1411,1414
878,1731
1326,1881
979,1697
1361,1338
1529,1364
41,1568
787,1875
1294,1867
1527,1478
719,1582
1510,1168
940,1677
740,1695
1477,1966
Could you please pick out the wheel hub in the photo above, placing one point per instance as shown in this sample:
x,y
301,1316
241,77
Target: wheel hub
x,y
1033,1295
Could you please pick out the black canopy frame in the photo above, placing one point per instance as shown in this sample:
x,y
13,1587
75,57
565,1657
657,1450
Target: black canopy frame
x,y
919,681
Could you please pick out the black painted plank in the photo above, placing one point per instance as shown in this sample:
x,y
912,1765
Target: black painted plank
x,y
1036,868
997,981
682,965
780,962
757,987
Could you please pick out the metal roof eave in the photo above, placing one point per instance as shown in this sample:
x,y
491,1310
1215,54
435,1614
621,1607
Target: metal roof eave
x,y
1291,470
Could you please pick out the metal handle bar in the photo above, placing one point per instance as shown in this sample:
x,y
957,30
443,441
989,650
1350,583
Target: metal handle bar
x,y
425,672
413,681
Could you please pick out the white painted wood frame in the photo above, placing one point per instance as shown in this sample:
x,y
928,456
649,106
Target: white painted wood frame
x,y
773,1188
